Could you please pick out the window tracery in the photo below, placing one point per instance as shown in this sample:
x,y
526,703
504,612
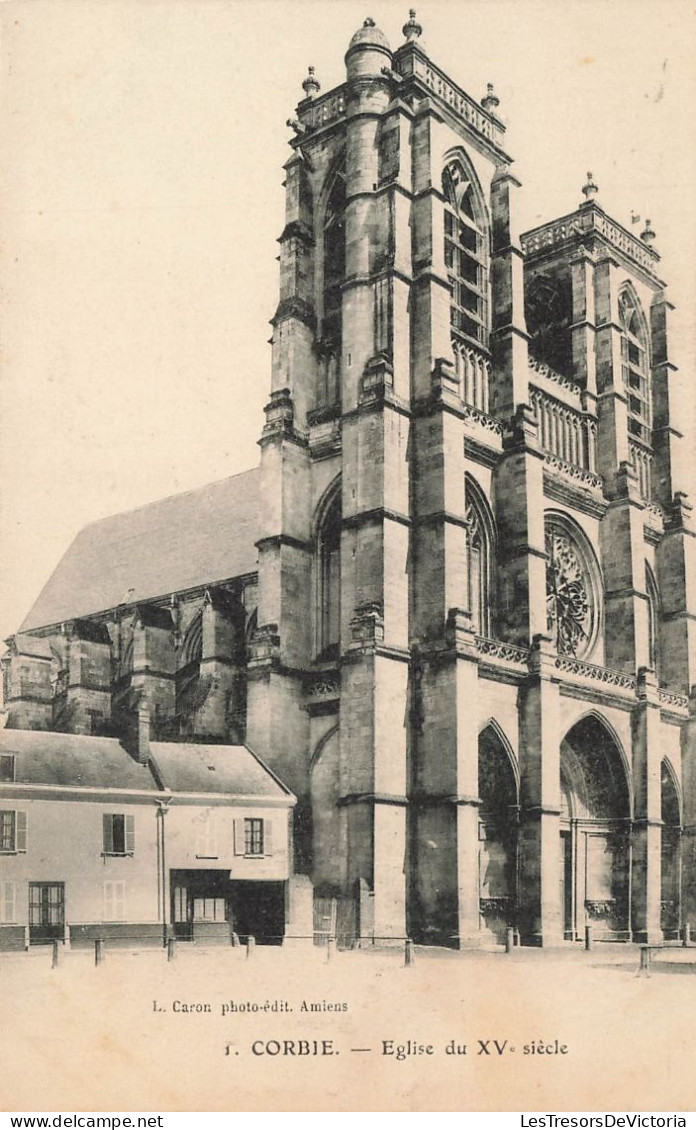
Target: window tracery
x,y
635,367
466,255
572,603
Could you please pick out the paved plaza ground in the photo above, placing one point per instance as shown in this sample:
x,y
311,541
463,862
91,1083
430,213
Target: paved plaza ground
x,y
288,1030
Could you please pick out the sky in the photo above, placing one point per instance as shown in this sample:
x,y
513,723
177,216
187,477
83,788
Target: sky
x,y
141,156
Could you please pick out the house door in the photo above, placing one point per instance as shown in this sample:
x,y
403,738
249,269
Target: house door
x,y
182,913
201,905
46,912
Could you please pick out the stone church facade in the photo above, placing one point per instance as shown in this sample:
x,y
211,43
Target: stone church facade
x,y
454,610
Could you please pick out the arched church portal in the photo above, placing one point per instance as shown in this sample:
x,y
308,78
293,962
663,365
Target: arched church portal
x,y
498,824
595,833
670,894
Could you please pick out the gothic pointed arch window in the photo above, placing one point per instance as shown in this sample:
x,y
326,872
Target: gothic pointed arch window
x,y
480,556
334,260
653,619
466,252
328,559
635,365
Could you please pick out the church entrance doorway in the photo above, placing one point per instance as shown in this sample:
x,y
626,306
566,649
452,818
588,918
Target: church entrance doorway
x,y
594,834
670,894
498,835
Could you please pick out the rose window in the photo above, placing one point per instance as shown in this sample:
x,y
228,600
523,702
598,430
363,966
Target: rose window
x,y
569,604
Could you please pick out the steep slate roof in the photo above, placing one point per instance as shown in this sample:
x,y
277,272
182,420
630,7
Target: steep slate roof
x,y
43,758
80,761
190,767
176,543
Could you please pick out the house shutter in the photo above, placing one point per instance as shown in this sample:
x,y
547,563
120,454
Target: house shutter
x,y
211,836
268,837
108,834
7,902
21,831
130,835
239,837
115,900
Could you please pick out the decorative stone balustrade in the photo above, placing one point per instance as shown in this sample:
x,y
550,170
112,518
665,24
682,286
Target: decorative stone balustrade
x,y
577,475
412,63
487,423
588,221
549,235
617,680
322,111
504,652
517,658
473,371
565,433
325,685
545,371
678,703
654,513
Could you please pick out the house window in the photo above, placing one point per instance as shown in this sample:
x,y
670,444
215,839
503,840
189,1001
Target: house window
x,y
7,767
466,256
119,834
252,837
8,903
209,910
13,831
115,900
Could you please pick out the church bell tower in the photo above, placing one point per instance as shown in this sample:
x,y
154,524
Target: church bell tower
x,y
473,646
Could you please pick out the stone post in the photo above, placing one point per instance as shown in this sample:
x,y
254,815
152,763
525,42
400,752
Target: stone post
x,y
540,724
509,338
688,751
647,813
